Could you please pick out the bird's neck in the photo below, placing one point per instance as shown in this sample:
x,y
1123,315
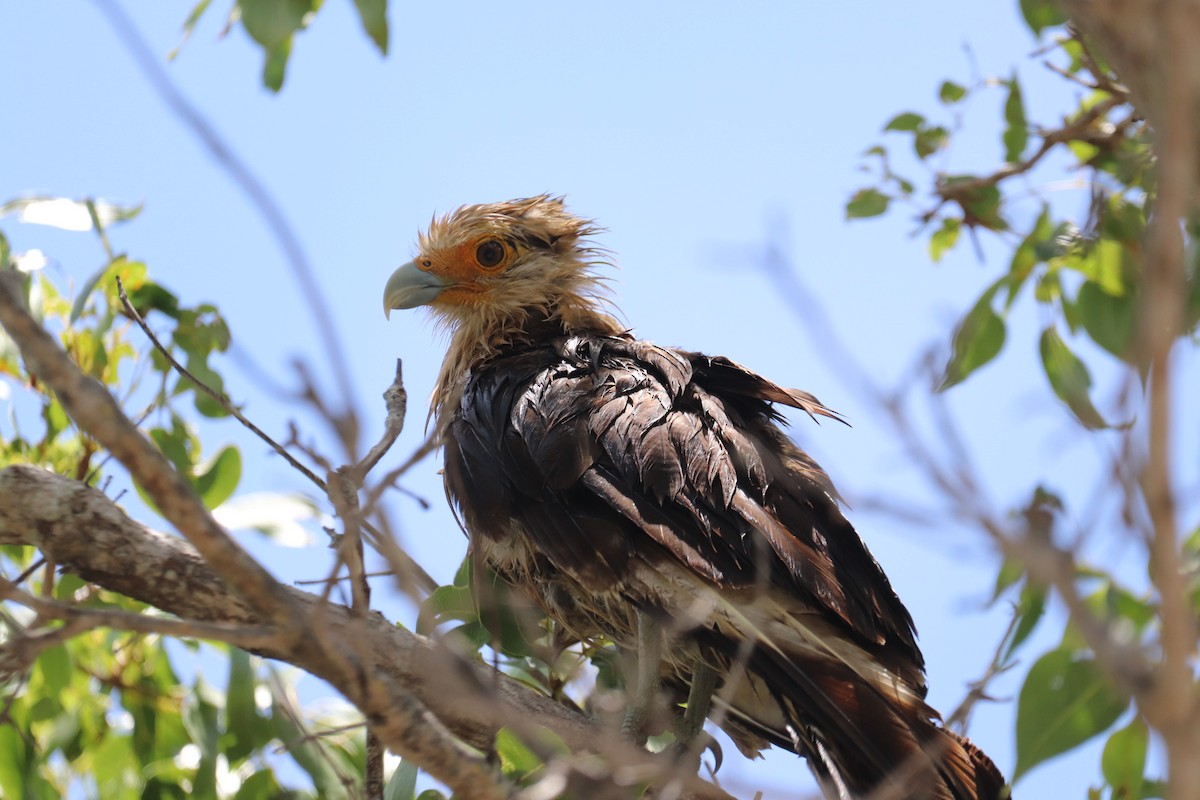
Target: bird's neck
x,y
477,338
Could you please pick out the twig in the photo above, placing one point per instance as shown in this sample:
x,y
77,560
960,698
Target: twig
x,y
79,619
219,397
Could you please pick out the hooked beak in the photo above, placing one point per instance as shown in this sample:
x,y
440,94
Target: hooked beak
x,y
409,287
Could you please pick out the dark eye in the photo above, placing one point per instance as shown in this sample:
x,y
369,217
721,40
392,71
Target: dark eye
x,y
489,253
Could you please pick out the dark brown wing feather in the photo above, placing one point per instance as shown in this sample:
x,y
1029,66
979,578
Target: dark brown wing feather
x,y
577,458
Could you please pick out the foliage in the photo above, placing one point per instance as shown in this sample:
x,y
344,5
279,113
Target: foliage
x,y
1084,275
108,713
273,25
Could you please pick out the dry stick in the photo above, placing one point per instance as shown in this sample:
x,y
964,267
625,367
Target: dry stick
x,y
244,636
1172,704
95,411
406,567
221,399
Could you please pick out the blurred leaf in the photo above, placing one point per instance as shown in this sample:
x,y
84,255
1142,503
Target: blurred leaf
x,y
1106,263
189,25
1016,132
951,92
373,14
217,478
242,721
1011,571
1070,379
276,516
271,23
944,238
516,760
980,203
1042,14
867,203
67,214
928,140
1123,221
446,603
1031,607
152,297
262,785
1109,320
1123,762
403,783
307,751
977,340
54,665
132,273
1065,701
431,794
908,121
275,67
1028,254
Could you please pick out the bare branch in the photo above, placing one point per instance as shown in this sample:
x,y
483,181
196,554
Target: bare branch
x,y
219,397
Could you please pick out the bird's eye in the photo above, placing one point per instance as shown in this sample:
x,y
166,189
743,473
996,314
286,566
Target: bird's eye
x,y
489,254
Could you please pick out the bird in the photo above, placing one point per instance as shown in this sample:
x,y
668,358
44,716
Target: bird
x,y
650,497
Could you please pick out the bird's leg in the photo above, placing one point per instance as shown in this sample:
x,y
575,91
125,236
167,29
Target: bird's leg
x,y
690,739
700,694
643,695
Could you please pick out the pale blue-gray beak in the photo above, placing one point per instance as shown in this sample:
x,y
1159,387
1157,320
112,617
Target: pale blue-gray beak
x,y
409,287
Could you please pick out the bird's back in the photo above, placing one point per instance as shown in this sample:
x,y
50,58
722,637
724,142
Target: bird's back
x,y
605,475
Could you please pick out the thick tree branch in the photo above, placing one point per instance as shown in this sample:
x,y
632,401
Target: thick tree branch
x,y
86,534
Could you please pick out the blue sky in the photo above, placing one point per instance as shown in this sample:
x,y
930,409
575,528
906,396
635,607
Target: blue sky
x,y
691,131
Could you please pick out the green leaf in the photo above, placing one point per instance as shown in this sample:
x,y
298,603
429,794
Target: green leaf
x,y
1016,134
152,297
516,760
54,665
403,783
1123,762
928,140
977,340
1069,378
189,25
867,203
242,721
944,238
1042,14
908,121
1108,263
1031,607
373,14
262,785
217,479
1065,701
275,67
271,23
951,92
1109,320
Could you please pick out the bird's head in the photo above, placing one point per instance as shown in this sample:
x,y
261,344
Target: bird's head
x,y
484,270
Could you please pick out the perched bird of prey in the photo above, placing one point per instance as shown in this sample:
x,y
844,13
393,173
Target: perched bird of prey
x,y
649,496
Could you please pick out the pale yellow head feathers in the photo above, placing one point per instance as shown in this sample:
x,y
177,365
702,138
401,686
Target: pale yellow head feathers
x,y
489,271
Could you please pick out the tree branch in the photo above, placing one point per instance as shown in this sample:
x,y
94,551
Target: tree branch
x,y
87,535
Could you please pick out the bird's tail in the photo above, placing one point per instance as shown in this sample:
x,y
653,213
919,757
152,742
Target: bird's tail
x,y
866,741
